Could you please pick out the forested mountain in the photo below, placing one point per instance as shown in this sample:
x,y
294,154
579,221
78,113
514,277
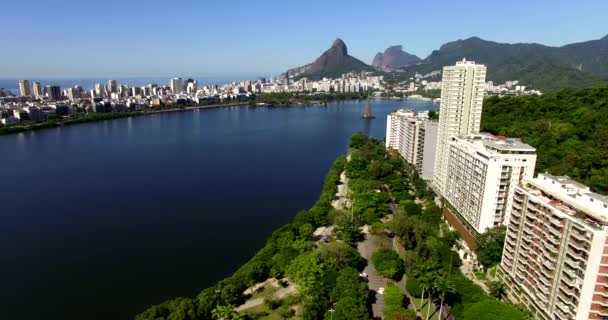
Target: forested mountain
x,y
569,130
541,67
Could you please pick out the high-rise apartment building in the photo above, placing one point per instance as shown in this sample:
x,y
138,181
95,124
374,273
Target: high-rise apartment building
x,y
414,136
176,85
112,86
482,172
37,89
462,92
24,88
100,90
555,258
53,92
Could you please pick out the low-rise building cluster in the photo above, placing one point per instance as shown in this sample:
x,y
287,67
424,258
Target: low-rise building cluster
x,y
423,83
39,103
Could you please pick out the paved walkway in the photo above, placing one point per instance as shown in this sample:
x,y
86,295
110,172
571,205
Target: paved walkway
x,y
342,202
366,248
279,294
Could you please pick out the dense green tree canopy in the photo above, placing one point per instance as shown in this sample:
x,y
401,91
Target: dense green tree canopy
x,y
492,310
490,244
569,130
388,263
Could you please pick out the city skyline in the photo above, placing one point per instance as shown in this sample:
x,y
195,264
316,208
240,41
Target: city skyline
x,y
75,39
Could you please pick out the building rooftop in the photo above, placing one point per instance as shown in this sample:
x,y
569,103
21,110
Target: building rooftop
x,y
497,144
410,113
570,197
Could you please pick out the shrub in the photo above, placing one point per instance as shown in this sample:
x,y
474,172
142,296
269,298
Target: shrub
x,y
399,314
414,287
492,310
388,263
393,296
376,228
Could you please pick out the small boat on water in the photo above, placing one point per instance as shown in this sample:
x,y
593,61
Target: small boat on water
x,y
367,112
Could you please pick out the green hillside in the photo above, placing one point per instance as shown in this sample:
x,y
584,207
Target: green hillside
x,y
537,66
569,130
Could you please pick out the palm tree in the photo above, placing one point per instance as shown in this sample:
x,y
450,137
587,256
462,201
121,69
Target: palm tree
x,y
427,275
497,289
443,286
225,313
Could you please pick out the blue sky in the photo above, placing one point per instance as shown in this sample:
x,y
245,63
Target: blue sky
x,y
130,38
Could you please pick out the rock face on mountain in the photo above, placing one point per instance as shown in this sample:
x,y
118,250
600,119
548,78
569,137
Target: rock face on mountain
x,y
536,65
394,58
332,63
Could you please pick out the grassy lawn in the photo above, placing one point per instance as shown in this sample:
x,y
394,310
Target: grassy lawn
x,y
266,292
418,302
268,314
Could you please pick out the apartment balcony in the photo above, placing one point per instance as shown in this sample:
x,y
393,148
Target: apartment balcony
x,y
568,291
565,310
553,240
515,222
575,265
556,222
577,254
551,248
542,298
572,282
549,265
512,243
580,247
568,301
571,273
578,228
521,267
517,206
544,290
544,278
580,236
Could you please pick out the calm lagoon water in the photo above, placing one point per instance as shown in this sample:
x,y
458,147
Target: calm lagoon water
x,y
102,220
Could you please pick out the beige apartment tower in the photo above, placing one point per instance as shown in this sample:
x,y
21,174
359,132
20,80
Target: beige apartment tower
x,y
462,92
37,89
555,258
24,88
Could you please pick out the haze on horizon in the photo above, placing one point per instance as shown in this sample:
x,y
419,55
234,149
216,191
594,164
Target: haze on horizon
x,y
193,38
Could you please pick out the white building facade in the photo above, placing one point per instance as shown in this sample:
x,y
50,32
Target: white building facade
x,y
462,93
414,136
555,258
482,172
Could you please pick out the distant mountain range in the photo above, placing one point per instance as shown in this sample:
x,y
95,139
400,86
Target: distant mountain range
x,y
538,66
535,65
394,58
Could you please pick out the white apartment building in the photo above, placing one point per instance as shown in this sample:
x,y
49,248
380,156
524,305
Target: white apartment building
x,y
414,137
462,92
482,171
555,258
